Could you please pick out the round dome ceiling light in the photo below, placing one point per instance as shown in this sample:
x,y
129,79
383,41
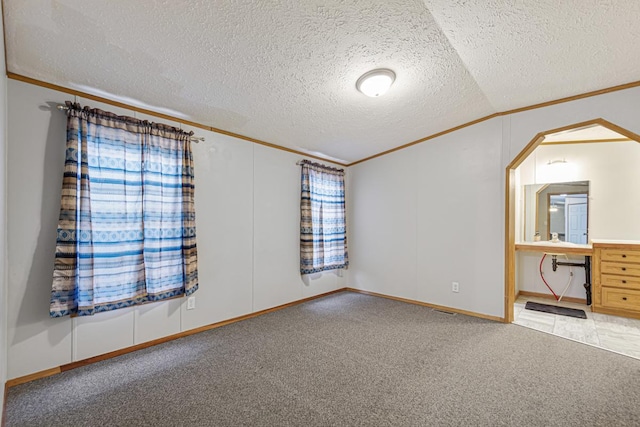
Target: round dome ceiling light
x,y
376,82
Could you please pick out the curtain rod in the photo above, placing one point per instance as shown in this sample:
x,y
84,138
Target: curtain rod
x,y
195,139
304,161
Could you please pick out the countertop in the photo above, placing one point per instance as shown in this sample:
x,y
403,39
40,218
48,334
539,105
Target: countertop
x,y
550,247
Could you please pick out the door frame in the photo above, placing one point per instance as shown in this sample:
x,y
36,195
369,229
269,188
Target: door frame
x,y
510,190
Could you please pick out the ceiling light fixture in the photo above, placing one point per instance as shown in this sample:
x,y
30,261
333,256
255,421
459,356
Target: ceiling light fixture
x,y
376,82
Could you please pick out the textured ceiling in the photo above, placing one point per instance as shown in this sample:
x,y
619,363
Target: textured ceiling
x,y
524,52
284,71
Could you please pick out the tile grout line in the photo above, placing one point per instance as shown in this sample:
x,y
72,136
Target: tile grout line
x,y
596,324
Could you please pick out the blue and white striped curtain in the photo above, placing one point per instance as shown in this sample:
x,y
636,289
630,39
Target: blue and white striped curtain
x,y
323,227
126,233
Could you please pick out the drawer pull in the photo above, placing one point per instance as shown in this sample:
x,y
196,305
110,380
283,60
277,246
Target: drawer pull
x,y
624,268
624,256
624,281
624,298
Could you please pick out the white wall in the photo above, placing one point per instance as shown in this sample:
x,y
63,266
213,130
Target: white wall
x,y
613,174
429,215
434,213
3,223
382,217
247,219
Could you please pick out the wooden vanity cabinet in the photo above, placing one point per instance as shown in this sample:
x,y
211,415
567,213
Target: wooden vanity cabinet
x,y
616,279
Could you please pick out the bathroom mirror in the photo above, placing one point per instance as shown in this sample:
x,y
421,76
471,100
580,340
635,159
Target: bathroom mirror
x,y
561,208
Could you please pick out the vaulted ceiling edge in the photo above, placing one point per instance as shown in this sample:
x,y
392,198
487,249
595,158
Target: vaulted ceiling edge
x,y
63,89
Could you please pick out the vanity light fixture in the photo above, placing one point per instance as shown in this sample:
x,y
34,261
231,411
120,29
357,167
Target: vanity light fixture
x,y
375,83
558,170
557,162
553,208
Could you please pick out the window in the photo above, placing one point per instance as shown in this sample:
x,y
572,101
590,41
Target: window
x,y
126,233
323,229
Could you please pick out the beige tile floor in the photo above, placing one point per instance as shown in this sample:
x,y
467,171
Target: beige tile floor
x,y
617,334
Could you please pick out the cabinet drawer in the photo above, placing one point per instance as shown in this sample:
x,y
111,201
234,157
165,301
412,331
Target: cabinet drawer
x,y
620,255
621,298
627,282
620,268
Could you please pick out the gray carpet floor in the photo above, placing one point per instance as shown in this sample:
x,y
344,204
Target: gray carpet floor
x,y
345,360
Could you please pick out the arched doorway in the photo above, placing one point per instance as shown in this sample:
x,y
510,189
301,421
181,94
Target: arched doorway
x,y
510,204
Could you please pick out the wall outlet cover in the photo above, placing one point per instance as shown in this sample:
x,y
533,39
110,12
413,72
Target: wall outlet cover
x,y
455,287
191,303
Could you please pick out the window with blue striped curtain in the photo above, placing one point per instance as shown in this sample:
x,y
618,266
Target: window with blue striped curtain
x,y
126,233
323,227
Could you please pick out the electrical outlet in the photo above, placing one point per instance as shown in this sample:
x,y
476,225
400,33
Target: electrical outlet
x,y
455,287
191,303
